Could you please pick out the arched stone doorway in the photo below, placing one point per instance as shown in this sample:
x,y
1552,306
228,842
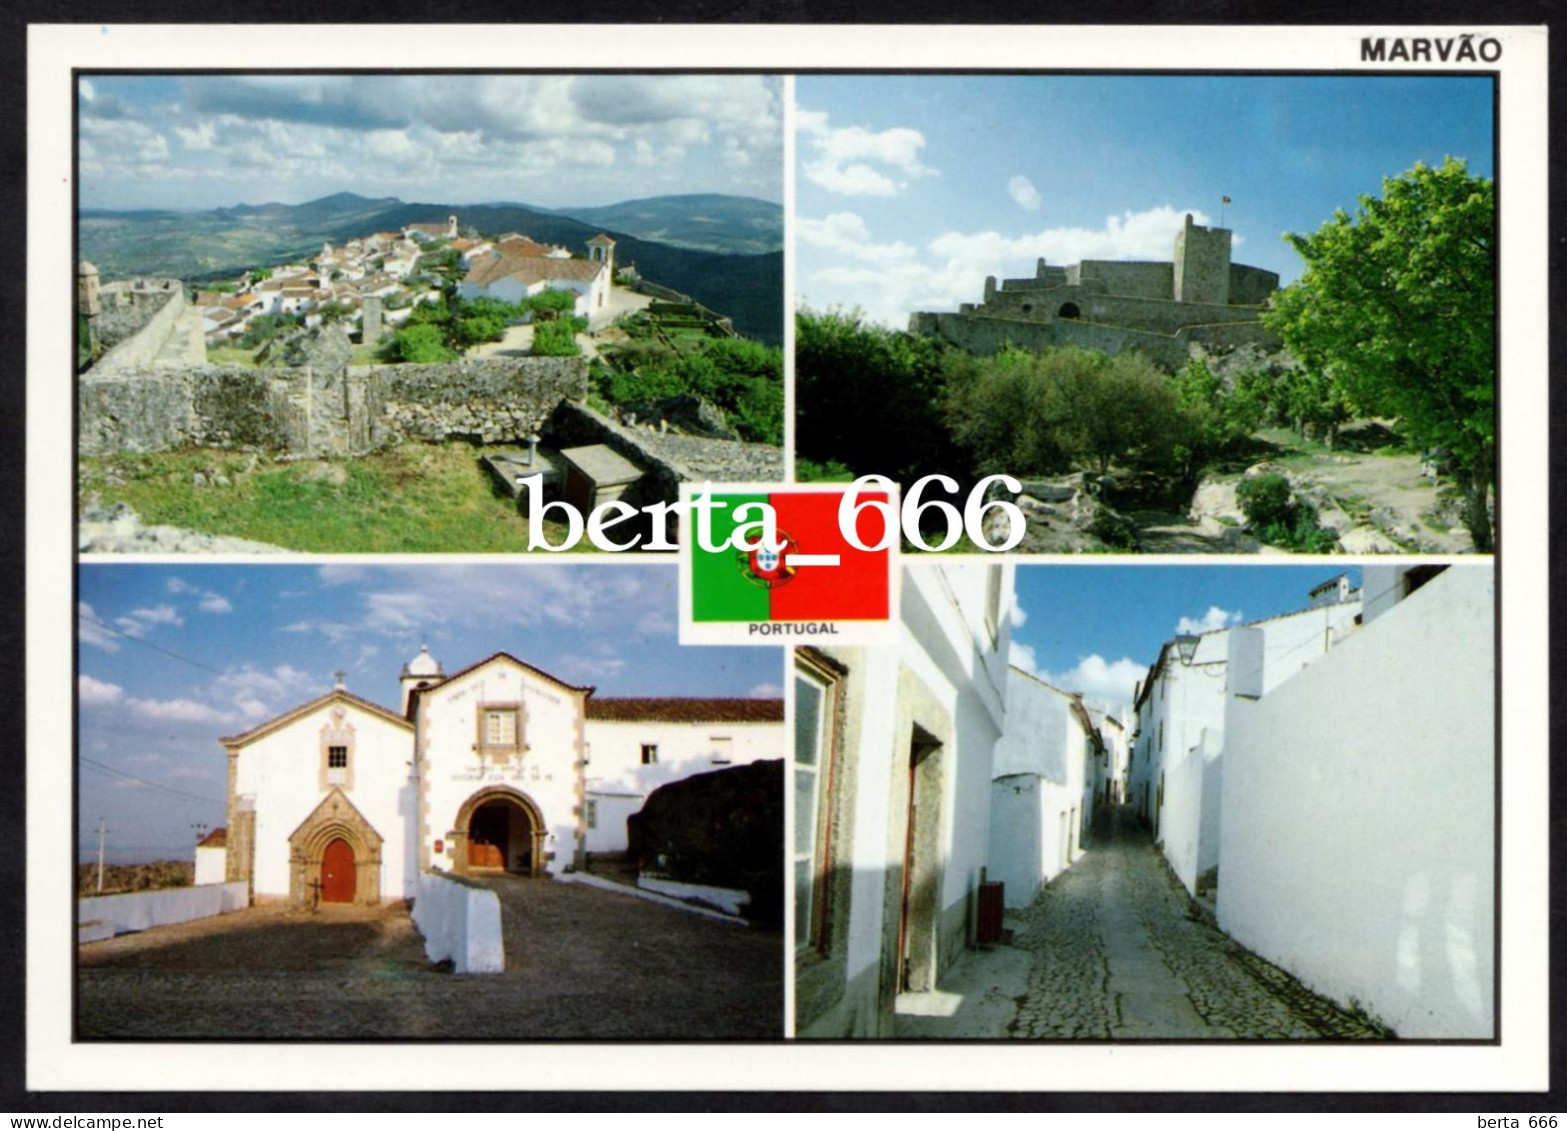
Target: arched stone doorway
x,y
1069,310
499,829
334,857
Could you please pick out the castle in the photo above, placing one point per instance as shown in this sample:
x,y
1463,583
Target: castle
x,y
1161,309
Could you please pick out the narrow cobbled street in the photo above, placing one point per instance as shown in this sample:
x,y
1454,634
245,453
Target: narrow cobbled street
x,y
1116,950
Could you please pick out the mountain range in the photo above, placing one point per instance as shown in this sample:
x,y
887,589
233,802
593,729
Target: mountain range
x,y
709,245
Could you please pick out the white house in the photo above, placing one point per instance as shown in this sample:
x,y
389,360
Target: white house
x,y
210,856
514,277
892,764
1359,817
1042,784
343,800
637,745
1176,765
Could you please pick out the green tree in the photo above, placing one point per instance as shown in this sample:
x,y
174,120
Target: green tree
x,y
420,343
868,397
1397,307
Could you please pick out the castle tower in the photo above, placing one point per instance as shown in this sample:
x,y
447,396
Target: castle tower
x,y
451,227
601,249
88,301
1202,264
423,670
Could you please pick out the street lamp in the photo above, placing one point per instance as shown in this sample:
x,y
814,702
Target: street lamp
x,y
1186,648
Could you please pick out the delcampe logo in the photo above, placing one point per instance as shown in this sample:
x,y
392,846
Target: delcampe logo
x,y
811,583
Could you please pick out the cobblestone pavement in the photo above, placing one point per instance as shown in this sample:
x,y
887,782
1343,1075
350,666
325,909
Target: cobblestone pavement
x,y
1118,952
581,963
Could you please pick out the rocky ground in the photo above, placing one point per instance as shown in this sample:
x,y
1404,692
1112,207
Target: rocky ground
x,y
117,529
1374,502
581,963
1116,950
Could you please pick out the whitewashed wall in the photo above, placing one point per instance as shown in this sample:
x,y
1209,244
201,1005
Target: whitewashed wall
x,y
1357,831
140,910
546,772
210,865
459,923
1040,767
616,776
282,772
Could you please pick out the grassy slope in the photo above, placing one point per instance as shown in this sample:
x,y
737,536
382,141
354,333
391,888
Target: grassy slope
x,y
416,498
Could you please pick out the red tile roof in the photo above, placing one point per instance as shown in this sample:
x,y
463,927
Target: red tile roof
x,y
531,269
217,838
687,710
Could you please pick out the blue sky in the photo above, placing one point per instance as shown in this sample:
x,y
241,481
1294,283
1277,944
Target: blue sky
x,y
911,189
173,657
551,140
1096,629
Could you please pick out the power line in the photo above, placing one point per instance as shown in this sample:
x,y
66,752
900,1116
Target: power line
x,y
148,784
91,619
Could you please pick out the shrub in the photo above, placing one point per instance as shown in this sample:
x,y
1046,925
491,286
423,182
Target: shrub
x,y
555,339
1265,500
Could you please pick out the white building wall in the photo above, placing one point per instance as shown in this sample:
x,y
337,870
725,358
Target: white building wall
x,y
210,865
616,776
956,644
453,769
282,772
1358,832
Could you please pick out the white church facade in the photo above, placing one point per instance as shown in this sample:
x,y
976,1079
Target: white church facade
x,y
492,768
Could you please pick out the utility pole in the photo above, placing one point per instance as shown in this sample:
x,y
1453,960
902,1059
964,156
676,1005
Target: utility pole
x,y
101,830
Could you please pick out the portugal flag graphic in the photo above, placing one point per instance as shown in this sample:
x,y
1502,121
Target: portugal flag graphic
x,y
818,576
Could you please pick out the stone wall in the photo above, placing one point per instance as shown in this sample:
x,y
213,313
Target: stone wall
x,y
157,310
1202,264
1133,279
670,459
124,311
314,412
983,335
141,910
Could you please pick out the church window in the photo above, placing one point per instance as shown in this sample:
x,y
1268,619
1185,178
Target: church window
x,y
500,730
649,753
337,752
593,814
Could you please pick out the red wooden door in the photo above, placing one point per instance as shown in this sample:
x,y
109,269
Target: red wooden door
x,y
338,873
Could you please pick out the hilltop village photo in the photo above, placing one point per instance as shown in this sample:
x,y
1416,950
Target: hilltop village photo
x,y
599,838
1201,339
245,366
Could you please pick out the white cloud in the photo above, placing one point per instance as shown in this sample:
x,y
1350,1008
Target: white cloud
x,y
853,161
1023,193
90,631
847,234
1023,656
215,603
1019,615
91,692
158,614
1101,682
177,710
1214,618
765,691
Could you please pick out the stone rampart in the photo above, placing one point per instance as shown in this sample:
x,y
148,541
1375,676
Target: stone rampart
x,y
984,335
316,412
141,347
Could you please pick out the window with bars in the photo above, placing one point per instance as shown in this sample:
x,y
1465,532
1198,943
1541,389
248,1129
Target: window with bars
x,y
649,753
